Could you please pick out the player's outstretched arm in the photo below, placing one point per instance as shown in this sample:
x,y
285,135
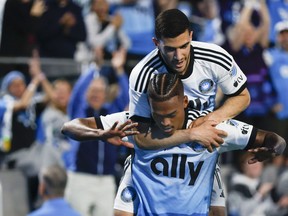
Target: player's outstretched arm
x,y
82,129
151,137
266,146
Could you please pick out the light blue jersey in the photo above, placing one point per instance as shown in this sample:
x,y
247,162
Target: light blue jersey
x,y
178,180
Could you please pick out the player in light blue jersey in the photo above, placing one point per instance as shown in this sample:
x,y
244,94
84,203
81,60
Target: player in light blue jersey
x,y
178,180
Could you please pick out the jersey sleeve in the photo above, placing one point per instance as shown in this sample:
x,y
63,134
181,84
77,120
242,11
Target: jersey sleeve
x,y
240,134
107,121
138,104
231,81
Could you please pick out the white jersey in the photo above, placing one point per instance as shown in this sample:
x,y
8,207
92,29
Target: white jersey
x,y
210,66
179,180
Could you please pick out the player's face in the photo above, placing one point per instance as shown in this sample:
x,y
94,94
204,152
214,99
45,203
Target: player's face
x,y
169,115
176,51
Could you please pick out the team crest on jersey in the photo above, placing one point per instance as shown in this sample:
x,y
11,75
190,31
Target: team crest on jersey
x,y
233,72
205,85
128,194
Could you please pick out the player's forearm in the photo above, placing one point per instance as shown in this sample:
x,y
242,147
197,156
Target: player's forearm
x,y
232,107
150,141
81,129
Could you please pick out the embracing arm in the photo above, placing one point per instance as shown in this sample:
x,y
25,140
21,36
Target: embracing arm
x,y
205,133
232,106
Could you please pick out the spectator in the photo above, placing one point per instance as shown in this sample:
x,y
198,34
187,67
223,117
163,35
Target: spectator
x,y
245,192
92,164
52,119
18,27
18,31
278,10
277,201
20,108
276,59
53,116
162,5
60,29
18,111
206,22
138,24
52,185
105,35
246,40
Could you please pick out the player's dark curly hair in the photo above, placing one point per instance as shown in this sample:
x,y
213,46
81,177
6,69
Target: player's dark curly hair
x,y
171,23
165,86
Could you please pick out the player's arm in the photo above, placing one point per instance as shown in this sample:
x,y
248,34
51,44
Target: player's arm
x,y
232,106
151,137
83,129
233,84
266,146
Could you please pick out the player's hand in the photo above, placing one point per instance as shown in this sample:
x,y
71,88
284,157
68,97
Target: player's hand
x,y
261,154
207,135
115,134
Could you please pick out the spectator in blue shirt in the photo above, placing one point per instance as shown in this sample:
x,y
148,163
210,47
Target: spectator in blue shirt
x,y
52,185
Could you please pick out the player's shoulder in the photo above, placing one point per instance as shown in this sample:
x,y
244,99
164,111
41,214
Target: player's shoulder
x,y
152,59
204,48
142,72
209,46
209,53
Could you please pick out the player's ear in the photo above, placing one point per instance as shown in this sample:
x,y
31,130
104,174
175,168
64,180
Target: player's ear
x,y
155,41
190,35
185,101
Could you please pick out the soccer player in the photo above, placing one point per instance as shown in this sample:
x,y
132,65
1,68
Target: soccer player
x,y
178,180
202,68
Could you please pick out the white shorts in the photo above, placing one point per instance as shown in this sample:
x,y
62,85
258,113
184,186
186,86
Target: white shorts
x,y
127,200
218,195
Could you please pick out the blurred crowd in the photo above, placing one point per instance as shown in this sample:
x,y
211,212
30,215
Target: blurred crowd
x,y
104,36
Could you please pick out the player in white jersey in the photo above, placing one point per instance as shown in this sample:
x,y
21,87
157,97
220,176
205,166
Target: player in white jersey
x,y
202,67
185,175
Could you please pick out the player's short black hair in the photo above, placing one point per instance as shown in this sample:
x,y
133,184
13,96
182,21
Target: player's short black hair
x,y
171,23
165,86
